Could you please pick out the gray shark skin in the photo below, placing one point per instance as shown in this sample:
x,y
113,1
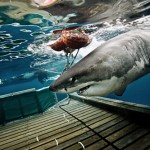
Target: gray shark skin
x,y
110,67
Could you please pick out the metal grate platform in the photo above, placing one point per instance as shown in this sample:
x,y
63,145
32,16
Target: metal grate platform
x,y
76,126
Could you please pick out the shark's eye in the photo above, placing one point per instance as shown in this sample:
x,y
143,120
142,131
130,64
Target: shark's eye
x,y
73,79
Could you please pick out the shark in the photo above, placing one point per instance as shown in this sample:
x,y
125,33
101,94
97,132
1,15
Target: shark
x,y
109,68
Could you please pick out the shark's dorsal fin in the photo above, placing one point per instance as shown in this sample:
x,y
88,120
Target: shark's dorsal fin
x,y
120,91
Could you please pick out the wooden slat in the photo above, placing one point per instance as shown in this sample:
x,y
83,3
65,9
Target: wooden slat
x,y
46,134
140,144
50,129
87,141
109,148
52,113
98,145
72,132
131,138
115,128
86,138
105,120
122,132
44,119
52,126
55,113
50,121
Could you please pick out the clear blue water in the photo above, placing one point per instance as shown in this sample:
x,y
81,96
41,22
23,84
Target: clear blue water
x,y
22,69
137,92
18,65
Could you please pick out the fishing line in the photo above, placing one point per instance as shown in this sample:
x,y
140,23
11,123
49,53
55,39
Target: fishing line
x,y
100,136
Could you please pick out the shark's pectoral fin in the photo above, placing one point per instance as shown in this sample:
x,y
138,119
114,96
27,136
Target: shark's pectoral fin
x,y
120,91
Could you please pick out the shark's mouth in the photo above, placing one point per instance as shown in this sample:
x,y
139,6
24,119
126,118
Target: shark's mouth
x,y
82,90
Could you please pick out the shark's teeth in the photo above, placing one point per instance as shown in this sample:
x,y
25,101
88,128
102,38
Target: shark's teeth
x,y
83,89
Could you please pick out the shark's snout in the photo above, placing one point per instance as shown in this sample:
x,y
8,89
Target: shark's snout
x,y
58,88
52,88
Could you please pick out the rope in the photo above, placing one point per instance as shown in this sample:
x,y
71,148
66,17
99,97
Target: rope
x,y
74,58
60,106
68,65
